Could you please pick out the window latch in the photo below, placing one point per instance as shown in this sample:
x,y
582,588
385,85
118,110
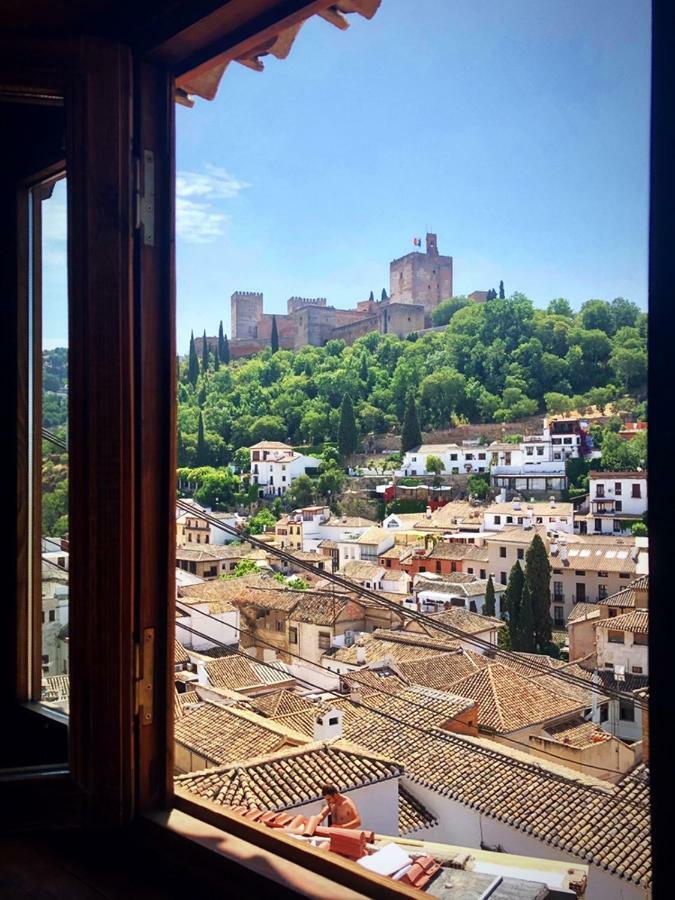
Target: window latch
x,y
145,681
145,197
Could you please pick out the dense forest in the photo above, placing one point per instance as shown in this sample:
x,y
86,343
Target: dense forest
x,y
492,362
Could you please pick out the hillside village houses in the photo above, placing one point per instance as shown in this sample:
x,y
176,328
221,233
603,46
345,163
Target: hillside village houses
x,y
191,528
616,501
275,465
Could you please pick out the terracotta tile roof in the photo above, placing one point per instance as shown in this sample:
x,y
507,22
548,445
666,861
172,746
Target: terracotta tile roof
x,y
582,611
348,522
183,701
291,777
579,733
429,580
628,684
413,704
55,688
412,815
211,593
398,645
610,555
517,535
472,623
399,551
458,550
280,703
270,445
180,654
223,735
634,594
578,693
373,535
508,702
578,815
323,609
239,674
363,571
635,621
212,552
439,672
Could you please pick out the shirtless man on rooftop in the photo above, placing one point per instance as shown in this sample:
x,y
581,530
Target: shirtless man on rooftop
x,y
342,810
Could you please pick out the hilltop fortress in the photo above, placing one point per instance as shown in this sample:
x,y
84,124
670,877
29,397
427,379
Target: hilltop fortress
x,y
418,282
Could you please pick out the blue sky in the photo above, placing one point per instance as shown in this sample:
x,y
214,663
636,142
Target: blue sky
x,y
517,130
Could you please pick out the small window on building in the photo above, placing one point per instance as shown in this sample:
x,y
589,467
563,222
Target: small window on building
x,y
280,626
293,635
498,520
324,640
502,577
624,574
602,591
617,487
334,720
482,574
580,572
470,571
641,639
602,574
52,615
502,552
521,553
615,637
509,520
604,712
636,491
626,710
636,670
618,506
559,616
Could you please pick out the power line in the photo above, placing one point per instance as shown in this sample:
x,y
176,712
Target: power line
x,y
413,615
188,607
428,732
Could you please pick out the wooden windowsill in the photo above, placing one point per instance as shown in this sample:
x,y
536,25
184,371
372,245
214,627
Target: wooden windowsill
x,y
275,856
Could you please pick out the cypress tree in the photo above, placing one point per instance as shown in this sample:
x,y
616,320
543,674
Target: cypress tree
x,y
221,340
347,436
526,640
512,598
274,341
216,359
363,369
202,449
224,351
489,603
384,294
411,434
501,290
193,363
181,449
538,574
372,297
205,354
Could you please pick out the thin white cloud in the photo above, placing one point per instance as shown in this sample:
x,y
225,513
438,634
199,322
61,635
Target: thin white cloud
x,y
198,221
215,184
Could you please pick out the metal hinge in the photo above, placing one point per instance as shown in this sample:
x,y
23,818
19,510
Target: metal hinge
x,y
145,196
145,680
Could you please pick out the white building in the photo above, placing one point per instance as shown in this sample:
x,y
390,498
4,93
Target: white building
x,y
552,514
54,618
203,609
274,467
366,546
617,500
457,459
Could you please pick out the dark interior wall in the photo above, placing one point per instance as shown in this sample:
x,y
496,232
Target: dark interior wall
x,y
34,139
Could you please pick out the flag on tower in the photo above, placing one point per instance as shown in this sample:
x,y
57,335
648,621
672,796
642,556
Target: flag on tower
x,y
417,242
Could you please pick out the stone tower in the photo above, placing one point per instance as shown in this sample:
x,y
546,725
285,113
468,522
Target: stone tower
x,y
422,278
246,311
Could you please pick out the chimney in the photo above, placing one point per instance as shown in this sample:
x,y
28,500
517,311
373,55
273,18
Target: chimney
x,y
428,512
563,551
328,725
552,502
360,655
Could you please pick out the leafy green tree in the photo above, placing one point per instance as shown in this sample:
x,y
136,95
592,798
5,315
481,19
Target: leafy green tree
x,y
261,520
446,310
630,367
205,353
243,567
274,340
268,428
625,313
330,481
435,465
181,454
639,529
597,315
489,604
218,489
479,487
560,307
242,459
511,601
526,635
538,575
501,290
347,435
301,492
411,435
193,362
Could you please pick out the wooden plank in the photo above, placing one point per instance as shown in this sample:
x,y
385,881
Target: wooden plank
x,y
155,315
